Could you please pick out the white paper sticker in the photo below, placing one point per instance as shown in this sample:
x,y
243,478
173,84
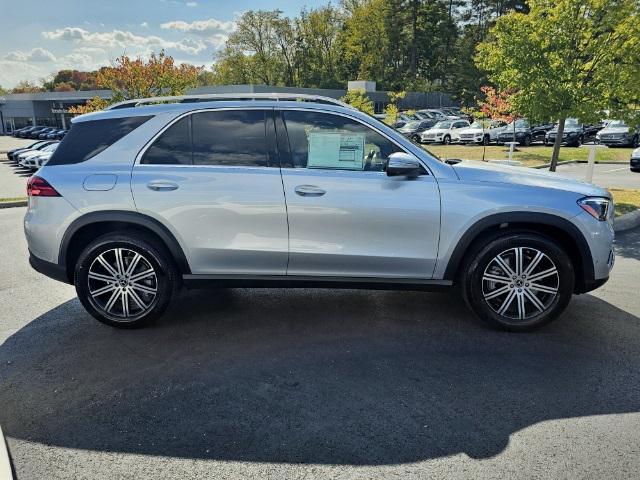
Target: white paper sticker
x,y
336,150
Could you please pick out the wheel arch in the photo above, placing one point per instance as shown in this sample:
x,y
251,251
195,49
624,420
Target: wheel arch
x,y
90,226
558,228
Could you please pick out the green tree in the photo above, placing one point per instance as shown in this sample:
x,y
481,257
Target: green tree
x,y
567,58
392,107
3,91
359,99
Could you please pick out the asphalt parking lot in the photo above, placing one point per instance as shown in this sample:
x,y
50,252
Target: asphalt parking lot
x,y
604,174
275,384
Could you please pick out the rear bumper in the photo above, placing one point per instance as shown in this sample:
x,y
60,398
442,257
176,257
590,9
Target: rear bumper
x,y
49,269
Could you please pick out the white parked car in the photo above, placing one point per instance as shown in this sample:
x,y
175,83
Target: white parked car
x,y
26,159
37,161
482,133
445,132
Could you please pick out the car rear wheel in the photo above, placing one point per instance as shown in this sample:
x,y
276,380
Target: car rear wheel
x,y
518,282
527,141
125,280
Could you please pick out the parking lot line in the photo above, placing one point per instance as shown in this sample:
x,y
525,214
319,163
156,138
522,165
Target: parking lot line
x,y
616,169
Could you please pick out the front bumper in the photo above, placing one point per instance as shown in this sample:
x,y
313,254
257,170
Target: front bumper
x,y
622,142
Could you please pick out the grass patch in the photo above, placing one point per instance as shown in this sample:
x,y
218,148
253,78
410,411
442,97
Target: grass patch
x,y
529,156
626,200
13,199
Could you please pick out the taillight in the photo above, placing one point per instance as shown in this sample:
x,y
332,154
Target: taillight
x,y
39,187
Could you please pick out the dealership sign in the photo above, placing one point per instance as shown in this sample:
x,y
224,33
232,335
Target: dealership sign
x,y
59,110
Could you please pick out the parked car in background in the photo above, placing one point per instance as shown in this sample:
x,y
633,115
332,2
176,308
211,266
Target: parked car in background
x,y
574,134
482,132
22,156
24,132
634,164
445,132
441,114
415,128
618,134
520,130
42,135
539,131
57,134
15,151
35,161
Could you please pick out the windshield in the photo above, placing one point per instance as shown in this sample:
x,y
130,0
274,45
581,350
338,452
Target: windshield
x,y
519,124
411,125
476,125
50,148
616,123
443,125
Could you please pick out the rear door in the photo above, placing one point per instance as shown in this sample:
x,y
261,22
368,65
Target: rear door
x,y
212,178
347,218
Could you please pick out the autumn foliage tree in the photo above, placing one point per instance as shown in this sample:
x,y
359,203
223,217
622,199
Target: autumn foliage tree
x,y
497,104
138,78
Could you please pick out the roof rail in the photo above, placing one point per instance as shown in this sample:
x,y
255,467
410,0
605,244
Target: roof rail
x,y
210,97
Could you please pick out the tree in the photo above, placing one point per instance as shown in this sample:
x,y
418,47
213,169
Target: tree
x,y
392,109
567,58
137,78
3,91
26,86
358,99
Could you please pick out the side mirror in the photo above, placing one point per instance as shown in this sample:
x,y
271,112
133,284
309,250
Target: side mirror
x,y
403,165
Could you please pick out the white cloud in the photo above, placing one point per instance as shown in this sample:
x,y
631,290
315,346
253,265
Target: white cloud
x,y
35,55
201,27
191,4
123,40
144,25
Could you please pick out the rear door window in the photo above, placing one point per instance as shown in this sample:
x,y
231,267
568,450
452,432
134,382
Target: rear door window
x,y
172,147
230,138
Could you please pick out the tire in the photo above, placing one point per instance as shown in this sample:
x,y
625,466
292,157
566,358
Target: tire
x,y
122,304
635,142
520,313
446,140
527,141
416,138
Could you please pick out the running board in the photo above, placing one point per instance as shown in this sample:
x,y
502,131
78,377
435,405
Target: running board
x,y
302,281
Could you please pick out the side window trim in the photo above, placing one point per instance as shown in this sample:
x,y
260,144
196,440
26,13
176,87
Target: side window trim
x,y
190,113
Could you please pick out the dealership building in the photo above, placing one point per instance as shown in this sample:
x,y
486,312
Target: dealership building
x,y
19,110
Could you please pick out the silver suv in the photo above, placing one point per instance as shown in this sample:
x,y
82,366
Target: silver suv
x,y
273,191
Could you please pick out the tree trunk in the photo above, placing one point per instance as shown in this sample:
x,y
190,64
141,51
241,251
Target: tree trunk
x,y
414,39
556,145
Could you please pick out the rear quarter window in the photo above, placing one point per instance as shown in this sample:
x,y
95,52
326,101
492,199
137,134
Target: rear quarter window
x,y
87,139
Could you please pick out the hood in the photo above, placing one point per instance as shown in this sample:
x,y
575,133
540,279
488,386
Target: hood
x,y
566,129
490,172
472,130
636,153
436,130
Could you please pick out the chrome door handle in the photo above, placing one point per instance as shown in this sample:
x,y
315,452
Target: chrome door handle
x,y
309,191
161,186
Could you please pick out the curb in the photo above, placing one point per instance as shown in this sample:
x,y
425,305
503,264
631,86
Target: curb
x,y
627,221
17,203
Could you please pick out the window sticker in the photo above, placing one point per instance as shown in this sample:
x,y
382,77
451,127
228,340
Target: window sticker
x,y
336,150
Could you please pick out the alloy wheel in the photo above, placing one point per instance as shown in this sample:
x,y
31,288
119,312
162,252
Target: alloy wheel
x,y
520,283
122,283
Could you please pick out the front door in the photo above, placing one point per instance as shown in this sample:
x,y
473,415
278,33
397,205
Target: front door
x,y
347,218
209,178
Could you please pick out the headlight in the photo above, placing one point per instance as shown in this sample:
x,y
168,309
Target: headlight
x,y
597,207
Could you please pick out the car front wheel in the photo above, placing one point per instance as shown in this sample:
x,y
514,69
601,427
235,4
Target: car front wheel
x,y
518,282
125,280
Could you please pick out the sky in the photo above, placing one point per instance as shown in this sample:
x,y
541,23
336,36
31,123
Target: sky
x,y
38,38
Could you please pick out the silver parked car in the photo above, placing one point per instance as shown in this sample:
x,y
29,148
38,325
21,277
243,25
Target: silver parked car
x,y
139,200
